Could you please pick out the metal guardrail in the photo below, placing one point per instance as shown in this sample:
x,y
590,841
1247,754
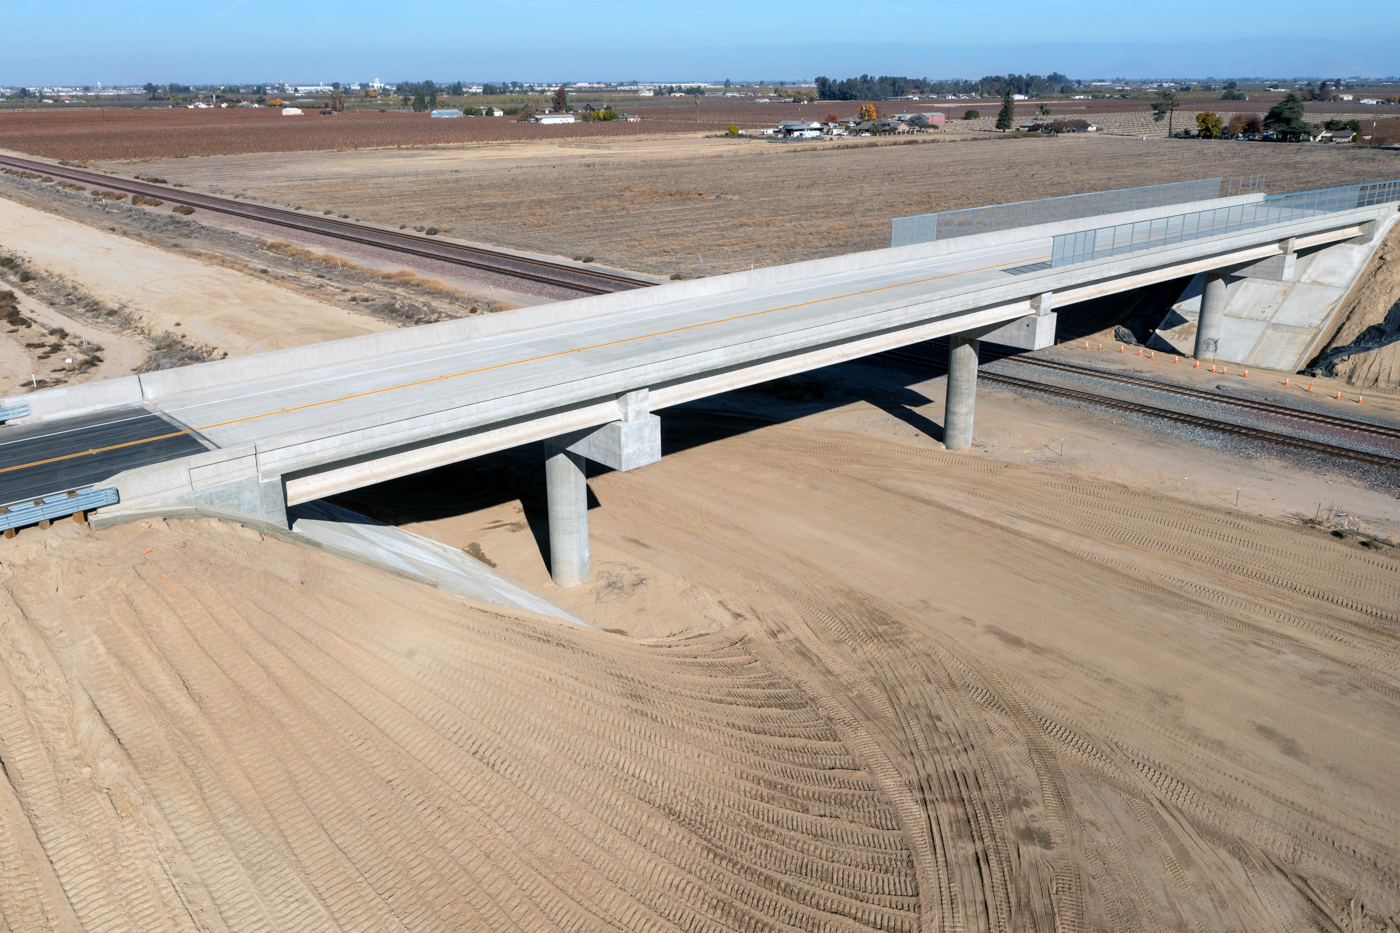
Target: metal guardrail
x,y
925,228
1101,243
10,412
55,505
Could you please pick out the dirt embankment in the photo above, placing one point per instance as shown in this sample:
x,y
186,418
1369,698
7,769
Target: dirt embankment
x,y
1373,305
205,730
900,689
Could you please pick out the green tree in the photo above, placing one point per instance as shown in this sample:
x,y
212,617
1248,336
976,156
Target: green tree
x,y
420,101
1006,119
1209,125
1043,108
1285,119
1164,107
561,100
972,115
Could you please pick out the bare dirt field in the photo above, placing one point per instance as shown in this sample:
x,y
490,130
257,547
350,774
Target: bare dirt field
x,y
655,205
852,682
179,133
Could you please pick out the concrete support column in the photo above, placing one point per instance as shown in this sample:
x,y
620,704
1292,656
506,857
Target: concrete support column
x,y
567,490
1212,314
962,390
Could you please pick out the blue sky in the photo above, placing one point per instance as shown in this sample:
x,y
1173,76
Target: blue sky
x,y
83,42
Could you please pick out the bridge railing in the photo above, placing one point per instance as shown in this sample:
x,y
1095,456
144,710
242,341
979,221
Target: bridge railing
x,y
925,228
1101,243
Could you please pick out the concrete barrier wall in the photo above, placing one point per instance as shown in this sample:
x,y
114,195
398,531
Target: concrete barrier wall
x,y
79,399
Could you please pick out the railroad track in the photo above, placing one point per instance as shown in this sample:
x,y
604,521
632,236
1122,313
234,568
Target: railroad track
x,y
1331,421
1198,421
990,354
584,281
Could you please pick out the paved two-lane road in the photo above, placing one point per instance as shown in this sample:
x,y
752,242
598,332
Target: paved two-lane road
x,y
39,459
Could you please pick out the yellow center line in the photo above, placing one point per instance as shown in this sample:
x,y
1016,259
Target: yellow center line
x,y
520,362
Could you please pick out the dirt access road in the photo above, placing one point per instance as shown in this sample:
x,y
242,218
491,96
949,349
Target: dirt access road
x,y
218,307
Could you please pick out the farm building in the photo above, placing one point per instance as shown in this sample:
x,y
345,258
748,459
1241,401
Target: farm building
x,y
446,114
799,129
554,118
929,118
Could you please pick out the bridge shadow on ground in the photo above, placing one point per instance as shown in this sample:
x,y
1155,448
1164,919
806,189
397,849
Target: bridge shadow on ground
x,y
518,473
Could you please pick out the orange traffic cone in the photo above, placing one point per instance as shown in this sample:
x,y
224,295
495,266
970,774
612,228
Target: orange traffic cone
x,y
1100,346
1359,398
1212,367
1152,355
1285,381
1246,374
1224,370
1139,351
1339,395
1173,359
1120,349
1198,364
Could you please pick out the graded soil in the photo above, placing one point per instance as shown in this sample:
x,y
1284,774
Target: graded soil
x,y
841,679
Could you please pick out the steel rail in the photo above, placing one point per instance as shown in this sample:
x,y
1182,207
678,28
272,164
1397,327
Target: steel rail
x,y
1138,408
520,267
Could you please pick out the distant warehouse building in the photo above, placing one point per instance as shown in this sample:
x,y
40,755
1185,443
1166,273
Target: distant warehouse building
x,y
447,114
554,118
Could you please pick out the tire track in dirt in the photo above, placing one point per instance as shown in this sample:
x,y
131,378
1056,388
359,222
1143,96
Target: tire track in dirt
x,y
457,769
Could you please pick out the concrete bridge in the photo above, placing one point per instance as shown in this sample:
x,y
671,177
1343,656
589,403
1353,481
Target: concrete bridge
x,y
246,438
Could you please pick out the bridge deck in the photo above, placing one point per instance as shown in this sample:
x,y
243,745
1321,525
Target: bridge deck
x,y
449,376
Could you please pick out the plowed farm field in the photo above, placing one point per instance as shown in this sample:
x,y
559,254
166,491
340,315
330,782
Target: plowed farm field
x,y
656,204
89,135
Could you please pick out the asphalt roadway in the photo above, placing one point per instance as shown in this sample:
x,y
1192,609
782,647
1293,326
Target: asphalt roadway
x,y
55,456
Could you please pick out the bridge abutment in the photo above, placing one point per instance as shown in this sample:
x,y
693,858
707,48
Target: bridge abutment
x,y
962,391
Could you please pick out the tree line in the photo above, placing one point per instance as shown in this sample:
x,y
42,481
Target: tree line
x,y
867,87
